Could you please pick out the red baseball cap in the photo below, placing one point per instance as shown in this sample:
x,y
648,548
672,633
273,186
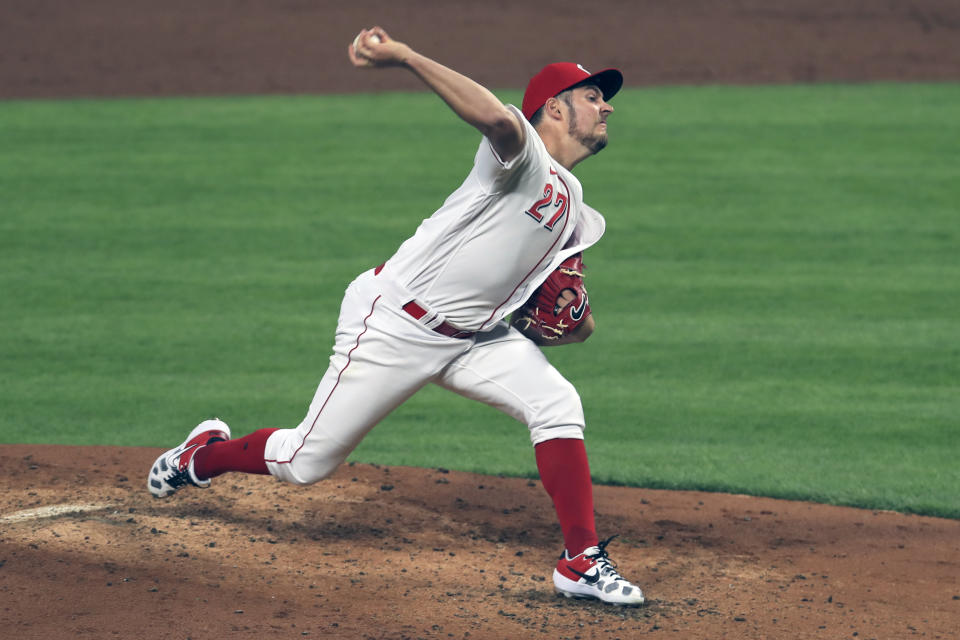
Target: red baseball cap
x,y
558,77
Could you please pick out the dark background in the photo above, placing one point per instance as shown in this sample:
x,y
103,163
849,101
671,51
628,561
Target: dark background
x,y
55,48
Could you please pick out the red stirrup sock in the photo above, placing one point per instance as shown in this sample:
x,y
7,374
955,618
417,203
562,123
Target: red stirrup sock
x,y
243,454
565,474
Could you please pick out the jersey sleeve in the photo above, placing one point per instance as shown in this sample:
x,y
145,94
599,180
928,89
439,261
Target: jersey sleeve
x,y
493,174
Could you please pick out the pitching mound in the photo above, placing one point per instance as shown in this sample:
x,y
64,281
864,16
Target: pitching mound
x,y
378,552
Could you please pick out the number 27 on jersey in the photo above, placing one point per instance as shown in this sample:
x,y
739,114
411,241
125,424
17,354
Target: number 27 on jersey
x,y
553,205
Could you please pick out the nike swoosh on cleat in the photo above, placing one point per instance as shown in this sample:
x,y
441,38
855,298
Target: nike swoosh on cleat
x,y
594,579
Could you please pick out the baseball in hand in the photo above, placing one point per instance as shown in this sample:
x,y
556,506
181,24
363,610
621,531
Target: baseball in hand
x,y
374,38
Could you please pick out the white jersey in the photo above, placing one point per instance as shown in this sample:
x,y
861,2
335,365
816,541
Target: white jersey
x,y
497,237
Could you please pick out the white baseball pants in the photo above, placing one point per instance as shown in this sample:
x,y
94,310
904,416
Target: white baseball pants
x,y
382,356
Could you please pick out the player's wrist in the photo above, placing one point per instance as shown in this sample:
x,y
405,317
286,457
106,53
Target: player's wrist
x,y
413,61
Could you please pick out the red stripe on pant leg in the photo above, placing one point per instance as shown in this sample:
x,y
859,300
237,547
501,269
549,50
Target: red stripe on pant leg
x,y
565,474
329,395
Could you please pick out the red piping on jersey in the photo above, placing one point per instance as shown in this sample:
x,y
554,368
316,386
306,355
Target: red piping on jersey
x,y
566,219
330,395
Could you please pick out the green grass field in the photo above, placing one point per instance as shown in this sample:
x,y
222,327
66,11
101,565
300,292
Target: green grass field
x,y
777,295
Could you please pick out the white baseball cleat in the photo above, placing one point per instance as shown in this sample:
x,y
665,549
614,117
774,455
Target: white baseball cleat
x,y
174,469
592,575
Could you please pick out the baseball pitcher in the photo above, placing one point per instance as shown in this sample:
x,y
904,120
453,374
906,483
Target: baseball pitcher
x,y
465,303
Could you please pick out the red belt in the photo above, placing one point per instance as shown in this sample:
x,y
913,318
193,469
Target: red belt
x,y
445,328
417,312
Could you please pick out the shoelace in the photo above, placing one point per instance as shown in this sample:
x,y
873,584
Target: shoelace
x,y
605,566
177,479
172,474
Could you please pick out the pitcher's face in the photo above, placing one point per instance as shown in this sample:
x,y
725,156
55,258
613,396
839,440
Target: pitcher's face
x,y
588,117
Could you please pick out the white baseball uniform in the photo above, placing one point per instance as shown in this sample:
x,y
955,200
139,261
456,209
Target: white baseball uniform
x,y
471,263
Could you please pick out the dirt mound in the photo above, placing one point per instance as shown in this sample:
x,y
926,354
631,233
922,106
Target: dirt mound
x,y
378,552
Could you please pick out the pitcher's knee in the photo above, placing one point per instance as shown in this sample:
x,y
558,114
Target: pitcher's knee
x,y
558,416
312,475
306,469
292,460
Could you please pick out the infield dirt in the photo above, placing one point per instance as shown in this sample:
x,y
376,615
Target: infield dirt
x,y
379,552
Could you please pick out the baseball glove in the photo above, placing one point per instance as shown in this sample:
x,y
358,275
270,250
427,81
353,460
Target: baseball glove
x,y
559,306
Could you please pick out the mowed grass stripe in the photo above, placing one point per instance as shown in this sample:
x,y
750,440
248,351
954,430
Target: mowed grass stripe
x,y
776,294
